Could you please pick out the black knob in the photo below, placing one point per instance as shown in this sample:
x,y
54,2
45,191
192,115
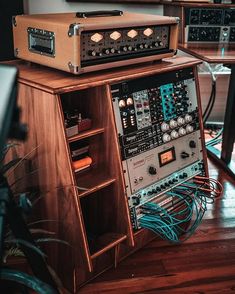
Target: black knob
x,y
92,53
152,170
184,154
136,200
192,144
106,51
185,175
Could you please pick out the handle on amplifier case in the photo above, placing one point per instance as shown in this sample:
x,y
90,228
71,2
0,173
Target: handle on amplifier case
x,y
86,14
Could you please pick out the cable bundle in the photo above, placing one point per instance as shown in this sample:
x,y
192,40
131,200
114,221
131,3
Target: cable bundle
x,y
216,140
211,102
177,222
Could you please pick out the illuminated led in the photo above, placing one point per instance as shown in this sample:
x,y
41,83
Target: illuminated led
x,y
148,32
129,101
132,34
122,103
96,37
115,35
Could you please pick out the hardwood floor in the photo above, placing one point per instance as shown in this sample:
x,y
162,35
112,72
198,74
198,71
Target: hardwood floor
x,y
203,264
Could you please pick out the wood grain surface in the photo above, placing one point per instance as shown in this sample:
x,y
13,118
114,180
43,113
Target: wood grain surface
x,y
55,81
212,53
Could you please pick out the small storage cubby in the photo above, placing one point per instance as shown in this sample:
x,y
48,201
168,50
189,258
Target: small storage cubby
x,y
98,175
103,230
89,107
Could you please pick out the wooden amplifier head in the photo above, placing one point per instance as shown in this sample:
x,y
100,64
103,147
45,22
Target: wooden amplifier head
x,y
84,42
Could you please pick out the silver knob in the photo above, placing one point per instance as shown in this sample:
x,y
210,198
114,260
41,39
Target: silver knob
x,y
166,138
189,129
164,127
180,121
188,118
173,124
174,135
182,131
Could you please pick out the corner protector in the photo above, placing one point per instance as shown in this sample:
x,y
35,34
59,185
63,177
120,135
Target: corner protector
x,y
75,69
74,29
177,19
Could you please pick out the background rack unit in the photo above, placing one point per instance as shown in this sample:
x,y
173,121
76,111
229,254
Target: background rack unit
x,y
203,22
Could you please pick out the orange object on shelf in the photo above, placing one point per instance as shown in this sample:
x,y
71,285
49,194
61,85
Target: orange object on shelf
x,y
82,163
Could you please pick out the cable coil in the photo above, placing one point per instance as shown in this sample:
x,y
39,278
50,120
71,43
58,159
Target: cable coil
x,y
177,222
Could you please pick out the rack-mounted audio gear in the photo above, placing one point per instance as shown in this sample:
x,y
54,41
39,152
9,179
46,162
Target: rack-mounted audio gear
x,y
159,129
84,42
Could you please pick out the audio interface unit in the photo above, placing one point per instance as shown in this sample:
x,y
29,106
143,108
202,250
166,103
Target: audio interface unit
x,y
84,42
204,24
159,130
210,25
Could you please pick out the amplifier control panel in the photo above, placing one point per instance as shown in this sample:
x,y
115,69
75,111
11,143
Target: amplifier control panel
x,y
101,46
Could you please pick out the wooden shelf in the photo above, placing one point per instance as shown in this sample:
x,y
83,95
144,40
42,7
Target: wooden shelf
x,y
86,134
106,242
93,180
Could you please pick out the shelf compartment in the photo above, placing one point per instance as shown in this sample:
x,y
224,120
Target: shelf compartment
x,y
101,218
92,180
86,134
107,242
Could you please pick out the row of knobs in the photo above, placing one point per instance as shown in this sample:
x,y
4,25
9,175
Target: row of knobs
x,y
175,123
108,51
174,134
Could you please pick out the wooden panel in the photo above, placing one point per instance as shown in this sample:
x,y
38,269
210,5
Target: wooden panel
x,y
212,53
176,11
86,134
53,179
67,49
104,205
54,81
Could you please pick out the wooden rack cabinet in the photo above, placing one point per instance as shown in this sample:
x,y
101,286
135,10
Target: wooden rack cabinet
x,y
90,206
